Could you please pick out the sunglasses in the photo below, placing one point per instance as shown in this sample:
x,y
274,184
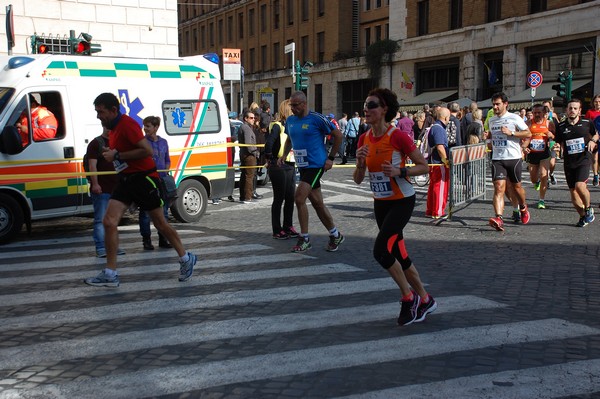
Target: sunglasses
x,y
249,117
371,105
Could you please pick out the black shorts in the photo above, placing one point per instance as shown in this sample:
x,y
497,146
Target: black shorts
x,y
577,174
507,168
534,158
312,176
140,188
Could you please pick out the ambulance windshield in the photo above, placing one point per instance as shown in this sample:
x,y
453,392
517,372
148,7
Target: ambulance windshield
x,y
5,95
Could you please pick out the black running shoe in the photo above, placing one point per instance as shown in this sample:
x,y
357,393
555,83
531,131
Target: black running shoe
x,y
425,308
408,310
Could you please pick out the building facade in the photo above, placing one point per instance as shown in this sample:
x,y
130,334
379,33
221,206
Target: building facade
x,y
446,49
132,28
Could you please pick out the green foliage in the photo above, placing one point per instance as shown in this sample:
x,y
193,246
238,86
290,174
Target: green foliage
x,y
379,53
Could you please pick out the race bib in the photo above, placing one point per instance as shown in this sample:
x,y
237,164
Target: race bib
x,y
499,142
537,145
380,185
575,146
301,157
120,165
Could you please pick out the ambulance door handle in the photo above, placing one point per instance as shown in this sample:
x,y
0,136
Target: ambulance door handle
x,y
69,152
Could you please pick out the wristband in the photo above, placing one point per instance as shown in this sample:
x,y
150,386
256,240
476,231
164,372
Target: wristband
x,y
403,172
331,158
117,156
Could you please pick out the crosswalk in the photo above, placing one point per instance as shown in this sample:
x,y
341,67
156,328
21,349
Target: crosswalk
x,y
254,321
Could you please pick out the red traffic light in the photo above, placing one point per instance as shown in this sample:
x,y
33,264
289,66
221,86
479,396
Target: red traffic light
x,y
82,47
42,49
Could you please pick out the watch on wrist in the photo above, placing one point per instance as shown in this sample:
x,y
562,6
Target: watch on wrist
x,y
331,158
512,133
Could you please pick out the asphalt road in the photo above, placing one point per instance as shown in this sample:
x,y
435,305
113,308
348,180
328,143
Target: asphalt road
x,y
518,312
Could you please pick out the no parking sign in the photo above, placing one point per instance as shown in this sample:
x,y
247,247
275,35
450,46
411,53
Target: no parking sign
x,y
534,79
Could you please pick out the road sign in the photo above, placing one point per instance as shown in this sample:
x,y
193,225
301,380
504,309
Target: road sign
x,y
289,47
232,62
534,79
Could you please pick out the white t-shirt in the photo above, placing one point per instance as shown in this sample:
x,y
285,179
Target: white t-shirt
x,y
503,146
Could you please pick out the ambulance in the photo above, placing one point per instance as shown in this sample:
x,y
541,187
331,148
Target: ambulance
x,y
42,179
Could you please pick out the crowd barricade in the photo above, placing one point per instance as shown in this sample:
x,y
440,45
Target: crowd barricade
x,y
467,177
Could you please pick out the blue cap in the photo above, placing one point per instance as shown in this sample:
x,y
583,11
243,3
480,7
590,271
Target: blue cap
x,y
331,116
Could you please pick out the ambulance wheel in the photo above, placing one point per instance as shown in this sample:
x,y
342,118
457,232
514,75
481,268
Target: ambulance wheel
x,y
191,202
11,218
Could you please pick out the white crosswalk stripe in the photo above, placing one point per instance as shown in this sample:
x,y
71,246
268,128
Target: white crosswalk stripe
x,y
270,296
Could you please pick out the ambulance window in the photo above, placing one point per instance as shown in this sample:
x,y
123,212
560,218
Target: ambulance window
x,y
191,116
47,116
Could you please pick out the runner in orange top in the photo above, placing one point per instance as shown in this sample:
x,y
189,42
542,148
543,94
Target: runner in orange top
x,y
538,151
383,151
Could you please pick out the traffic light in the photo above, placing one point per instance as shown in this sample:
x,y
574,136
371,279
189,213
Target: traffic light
x,y
50,44
83,45
301,75
563,88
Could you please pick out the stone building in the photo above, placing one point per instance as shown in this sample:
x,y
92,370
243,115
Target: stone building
x,y
446,49
133,28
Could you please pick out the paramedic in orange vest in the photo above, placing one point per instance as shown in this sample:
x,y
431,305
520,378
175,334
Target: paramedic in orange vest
x,y
383,151
538,151
43,121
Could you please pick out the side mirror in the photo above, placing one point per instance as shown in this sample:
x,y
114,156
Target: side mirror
x,y
10,141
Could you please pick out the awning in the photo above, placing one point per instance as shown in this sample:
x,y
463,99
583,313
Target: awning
x,y
463,102
523,99
428,97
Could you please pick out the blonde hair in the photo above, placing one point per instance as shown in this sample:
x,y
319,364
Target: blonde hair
x,y
254,106
477,114
284,111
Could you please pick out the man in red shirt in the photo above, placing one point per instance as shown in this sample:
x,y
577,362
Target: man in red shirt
x,y
131,154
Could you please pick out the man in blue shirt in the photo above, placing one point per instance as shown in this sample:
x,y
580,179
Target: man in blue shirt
x,y
439,173
307,130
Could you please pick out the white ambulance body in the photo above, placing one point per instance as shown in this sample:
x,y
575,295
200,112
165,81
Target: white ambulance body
x,y
45,179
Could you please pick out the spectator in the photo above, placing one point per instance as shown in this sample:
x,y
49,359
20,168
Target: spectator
x,y
281,169
352,133
249,154
101,187
453,127
162,159
405,124
439,171
475,128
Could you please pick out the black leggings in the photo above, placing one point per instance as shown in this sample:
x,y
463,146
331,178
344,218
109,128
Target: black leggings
x,y
391,217
284,186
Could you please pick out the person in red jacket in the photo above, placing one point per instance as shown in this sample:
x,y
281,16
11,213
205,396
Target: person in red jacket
x,y
43,122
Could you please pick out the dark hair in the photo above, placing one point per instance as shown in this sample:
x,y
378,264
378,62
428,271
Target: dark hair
x,y
108,100
264,105
388,98
575,100
152,120
501,96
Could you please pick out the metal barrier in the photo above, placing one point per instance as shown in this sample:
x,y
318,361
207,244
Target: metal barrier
x,y
467,176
